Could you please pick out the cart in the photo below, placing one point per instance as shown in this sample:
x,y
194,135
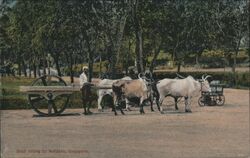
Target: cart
x,y
215,97
49,95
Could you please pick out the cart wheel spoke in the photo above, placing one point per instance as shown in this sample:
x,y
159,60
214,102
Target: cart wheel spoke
x,y
44,80
201,101
37,99
220,100
54,107
49,109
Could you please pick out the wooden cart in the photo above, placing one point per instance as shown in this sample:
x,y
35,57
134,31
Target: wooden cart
x,y
49,95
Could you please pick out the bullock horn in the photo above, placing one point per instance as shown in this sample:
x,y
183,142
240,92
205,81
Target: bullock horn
x,y
207,77
178,75
202,77
139,75
147,79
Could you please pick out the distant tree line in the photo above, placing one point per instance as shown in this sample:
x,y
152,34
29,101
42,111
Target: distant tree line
x,y
128,31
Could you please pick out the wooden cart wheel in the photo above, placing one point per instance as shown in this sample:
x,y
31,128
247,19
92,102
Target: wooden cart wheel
x,y
201,101
220,100
50,105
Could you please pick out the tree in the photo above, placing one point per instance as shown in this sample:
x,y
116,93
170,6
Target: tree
x,y
19,33
233,27
112,18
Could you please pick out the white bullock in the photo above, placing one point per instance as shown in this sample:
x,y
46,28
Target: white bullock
x,y
187,88
103,92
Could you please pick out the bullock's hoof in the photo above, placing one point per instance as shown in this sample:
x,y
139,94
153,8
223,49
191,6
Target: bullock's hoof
x,y
122,112
90,113
142,112
152,110
128,109
188,110
85,113
100,110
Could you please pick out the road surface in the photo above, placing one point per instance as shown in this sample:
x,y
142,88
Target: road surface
x,y
207,132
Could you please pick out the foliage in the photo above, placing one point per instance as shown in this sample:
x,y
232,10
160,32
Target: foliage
x,y
120,32
212,53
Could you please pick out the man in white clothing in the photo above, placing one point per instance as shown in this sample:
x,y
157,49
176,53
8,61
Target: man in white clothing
x,y
83,77
87,94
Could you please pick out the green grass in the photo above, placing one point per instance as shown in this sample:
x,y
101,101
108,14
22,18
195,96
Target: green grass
x,y
10,96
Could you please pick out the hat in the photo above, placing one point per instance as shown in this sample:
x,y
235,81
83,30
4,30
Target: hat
x,y
84,68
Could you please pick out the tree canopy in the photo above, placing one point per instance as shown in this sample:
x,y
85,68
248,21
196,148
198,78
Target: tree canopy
x,y
80,31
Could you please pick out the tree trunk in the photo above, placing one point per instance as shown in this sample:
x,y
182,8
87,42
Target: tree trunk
x,y
29,70
127,57
71,69
197,59
173,59
38,67
156,53
179,67
19,64
2,62
69,63
137,57
34,70
112,64
44,66
235,62
19,68
119,37
138,33
100,64
235,57
57,66
90,65
24,68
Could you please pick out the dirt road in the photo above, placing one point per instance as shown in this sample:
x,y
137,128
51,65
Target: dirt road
x,y
207,132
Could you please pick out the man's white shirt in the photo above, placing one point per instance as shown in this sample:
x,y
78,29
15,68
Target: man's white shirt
x,y
83,79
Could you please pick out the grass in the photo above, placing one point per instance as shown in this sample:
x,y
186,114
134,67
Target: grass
x,y
10,85
10,97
